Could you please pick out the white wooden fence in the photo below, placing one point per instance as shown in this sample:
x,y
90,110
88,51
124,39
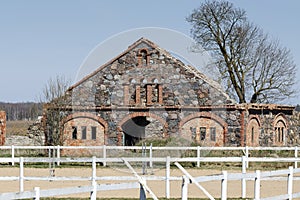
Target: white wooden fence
x,y
56,150
142,181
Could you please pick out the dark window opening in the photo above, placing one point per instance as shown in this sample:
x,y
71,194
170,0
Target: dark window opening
x,y
202,133
74,132
94,130
83,132
252,135
144,58
213,134
193,132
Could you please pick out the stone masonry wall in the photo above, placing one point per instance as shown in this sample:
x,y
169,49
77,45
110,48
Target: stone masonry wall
x,y
2,127
147,82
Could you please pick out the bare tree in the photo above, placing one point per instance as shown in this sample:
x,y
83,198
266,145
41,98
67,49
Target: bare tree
x,y
253,67
55,100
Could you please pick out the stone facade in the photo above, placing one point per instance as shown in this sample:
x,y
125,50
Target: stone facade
x,y
2,127
147,93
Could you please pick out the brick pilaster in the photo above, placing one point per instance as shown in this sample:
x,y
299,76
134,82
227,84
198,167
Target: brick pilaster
x,y
160,94
137,94
149,95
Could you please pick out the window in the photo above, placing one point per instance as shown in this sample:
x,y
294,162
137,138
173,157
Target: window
x,y
83,132
143,57
213,134
193,131
74,133
94,130
252,135
202,133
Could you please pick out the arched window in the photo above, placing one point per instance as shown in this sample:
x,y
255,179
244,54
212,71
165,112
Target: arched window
x,y
143,57
280,129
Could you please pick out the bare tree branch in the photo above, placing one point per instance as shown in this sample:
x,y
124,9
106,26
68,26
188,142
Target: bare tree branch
x,y
253,67
55,100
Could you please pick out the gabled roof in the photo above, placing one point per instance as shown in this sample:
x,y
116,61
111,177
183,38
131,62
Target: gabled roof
x,y
130,48
162,51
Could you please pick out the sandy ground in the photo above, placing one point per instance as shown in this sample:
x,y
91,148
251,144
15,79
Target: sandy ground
x,y
268,188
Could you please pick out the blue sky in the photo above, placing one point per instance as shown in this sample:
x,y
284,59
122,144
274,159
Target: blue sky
x,y
42,39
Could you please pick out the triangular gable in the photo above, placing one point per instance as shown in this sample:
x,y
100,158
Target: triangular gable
x,y
144,43
137,44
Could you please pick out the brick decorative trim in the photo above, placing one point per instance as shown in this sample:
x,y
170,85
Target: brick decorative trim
x,y
281,117
208,116
141,114
90,116
254,117
203,115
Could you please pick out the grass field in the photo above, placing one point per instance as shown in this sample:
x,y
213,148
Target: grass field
x,y
17,127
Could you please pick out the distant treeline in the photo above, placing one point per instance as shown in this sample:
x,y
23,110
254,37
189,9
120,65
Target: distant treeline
x,y
21,111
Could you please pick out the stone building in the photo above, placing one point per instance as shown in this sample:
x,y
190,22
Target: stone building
x,y
145,92
2,127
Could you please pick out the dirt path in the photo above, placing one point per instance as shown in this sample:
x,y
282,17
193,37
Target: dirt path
x,y
269,188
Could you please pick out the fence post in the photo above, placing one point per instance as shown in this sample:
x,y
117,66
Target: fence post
x,y
296,156
104,155
150,155
198,156
21,178
168,177
37,193
224,186
244,179
290,182
247,155
142,193
184,187
257,185
13,155
94,183
58,155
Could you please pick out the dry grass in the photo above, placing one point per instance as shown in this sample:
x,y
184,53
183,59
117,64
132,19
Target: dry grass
x,y
17,127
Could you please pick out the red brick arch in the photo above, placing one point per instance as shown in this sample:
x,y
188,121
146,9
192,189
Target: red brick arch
x,y
203,115
280,117
207,115
142,114
254,117
90,116
256,131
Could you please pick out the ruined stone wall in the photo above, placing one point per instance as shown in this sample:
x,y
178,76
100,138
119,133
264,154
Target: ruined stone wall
x,y
275,126
2,127
293,137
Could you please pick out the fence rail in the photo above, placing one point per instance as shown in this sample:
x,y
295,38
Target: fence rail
x,y
56,151
106,158
224,177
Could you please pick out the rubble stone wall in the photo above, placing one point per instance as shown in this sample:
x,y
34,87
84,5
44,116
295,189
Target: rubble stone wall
x,y
2,127
171,99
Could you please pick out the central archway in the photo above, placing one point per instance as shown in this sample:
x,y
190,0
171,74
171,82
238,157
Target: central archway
x,y
141,125
134,130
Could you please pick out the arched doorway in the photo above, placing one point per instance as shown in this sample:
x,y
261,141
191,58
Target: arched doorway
x,y
134,130
139,126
